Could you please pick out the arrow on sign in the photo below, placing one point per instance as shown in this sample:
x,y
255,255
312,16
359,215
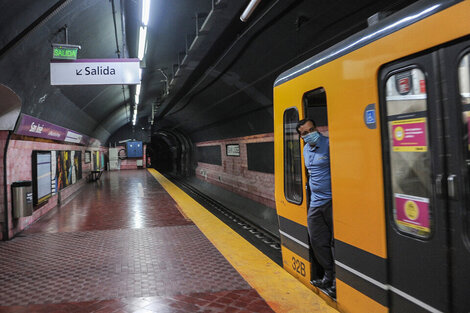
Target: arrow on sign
x,y
78,72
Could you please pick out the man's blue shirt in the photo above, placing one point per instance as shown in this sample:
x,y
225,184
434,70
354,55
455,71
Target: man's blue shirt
x,y
317,161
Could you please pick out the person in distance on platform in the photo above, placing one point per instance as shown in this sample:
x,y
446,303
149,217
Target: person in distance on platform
x,y
320,212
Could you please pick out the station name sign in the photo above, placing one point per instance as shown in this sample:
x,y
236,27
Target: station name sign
x,y
34,127
95,72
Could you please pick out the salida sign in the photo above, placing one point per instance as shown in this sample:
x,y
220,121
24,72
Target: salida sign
x,y
99,70
96,72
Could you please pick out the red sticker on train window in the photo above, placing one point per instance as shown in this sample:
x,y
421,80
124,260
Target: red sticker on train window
x,y
422,86
412,212
409,135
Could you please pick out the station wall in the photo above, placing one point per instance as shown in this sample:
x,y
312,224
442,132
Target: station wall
x,y
131,163
19,167
251,174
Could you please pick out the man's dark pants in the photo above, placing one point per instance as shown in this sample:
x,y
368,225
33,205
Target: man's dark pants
x,y
320,230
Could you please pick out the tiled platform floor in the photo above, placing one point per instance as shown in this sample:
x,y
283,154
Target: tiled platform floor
x,y
120,245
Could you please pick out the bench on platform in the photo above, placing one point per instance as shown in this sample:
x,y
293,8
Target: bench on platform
x,y
94,175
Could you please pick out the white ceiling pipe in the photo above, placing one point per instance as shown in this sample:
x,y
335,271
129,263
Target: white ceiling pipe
x,y
249,10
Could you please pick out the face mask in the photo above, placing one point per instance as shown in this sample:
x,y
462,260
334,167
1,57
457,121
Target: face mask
x,y
311,138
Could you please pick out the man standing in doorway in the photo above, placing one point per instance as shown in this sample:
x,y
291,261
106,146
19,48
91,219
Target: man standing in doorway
x,y
320,211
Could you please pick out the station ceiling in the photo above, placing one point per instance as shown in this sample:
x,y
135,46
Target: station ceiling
x,y
219,70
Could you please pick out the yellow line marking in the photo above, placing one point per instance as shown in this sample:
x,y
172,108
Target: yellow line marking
x,y
182,212
278,288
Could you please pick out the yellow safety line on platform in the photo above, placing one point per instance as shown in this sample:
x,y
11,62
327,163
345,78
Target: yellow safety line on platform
x,y
278,288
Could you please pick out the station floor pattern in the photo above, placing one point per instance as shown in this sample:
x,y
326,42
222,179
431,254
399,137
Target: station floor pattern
x,y
123,244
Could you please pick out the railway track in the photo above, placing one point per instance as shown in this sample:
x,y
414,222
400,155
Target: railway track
x,y
261,238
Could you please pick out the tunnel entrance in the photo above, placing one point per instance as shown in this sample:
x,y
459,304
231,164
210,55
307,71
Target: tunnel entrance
x,y
170,152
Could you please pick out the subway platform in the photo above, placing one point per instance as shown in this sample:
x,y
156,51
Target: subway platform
x,y
134,242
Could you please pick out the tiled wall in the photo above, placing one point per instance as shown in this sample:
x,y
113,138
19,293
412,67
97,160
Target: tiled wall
x,y
19,168
131,164
234,175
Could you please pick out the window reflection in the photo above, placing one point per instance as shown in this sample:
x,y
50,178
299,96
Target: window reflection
x,y
292,157
464,89
410,165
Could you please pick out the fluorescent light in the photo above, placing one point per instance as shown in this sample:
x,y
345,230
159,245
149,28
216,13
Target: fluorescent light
x,y
134,119
145,12
137,89
142,41
249,10
136,98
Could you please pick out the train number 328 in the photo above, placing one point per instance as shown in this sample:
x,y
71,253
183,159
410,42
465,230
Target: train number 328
x,y
298,266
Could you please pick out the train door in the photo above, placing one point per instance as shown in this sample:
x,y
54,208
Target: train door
x,y
413,146
315,108
455,69
426,127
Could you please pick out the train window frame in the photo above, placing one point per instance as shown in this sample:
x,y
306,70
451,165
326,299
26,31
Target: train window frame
x,y
386,153
285,167
318,122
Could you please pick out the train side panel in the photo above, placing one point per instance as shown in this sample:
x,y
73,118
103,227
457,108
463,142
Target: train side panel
x,y
351,85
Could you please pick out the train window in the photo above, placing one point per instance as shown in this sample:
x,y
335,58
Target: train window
x,y
410,159
315,107
292,158
464,87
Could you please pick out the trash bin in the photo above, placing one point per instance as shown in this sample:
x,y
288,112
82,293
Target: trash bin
x,y
22,192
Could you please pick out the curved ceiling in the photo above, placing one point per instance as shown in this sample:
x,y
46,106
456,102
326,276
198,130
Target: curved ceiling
x,y
219,70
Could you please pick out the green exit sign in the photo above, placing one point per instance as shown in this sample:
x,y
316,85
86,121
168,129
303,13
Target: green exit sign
x,y
64,51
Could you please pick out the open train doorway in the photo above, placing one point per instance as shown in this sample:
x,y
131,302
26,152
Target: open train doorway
x,y
319,209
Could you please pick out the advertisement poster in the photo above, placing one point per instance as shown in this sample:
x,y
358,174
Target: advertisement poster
x,y
233,150
62,169
68,168
41,176
96,161
412,212
53,171
77,164
409,135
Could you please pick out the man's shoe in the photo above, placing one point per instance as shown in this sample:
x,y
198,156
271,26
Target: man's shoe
x,y
316,282
322,283
331,291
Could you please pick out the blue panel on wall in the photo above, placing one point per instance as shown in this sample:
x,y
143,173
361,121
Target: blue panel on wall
x,y
134,149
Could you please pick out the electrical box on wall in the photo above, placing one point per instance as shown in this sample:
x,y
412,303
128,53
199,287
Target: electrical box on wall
x,y
134,149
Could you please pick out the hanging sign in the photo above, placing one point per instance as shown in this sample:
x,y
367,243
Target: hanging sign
x,y
64,51
95,72
409,135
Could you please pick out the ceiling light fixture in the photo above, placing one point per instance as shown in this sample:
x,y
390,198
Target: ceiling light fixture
x,y
249,10
135,116
137,89
145,12
136,99
142,41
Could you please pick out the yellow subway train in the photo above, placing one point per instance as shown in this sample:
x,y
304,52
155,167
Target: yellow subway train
x,y
394,101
